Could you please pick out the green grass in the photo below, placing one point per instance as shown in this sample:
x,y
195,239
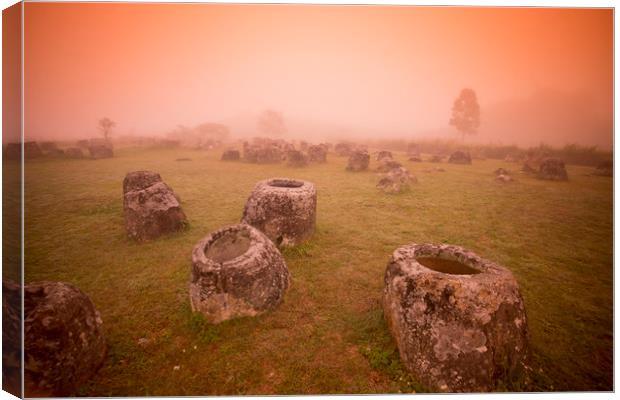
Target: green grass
x,y
329,335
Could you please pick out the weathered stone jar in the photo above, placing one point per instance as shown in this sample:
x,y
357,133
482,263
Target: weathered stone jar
x,y
231,155
458,320
317,153
296,158
236,271
396,180
358,161
460,157
552,169
150,207
283,209
64,344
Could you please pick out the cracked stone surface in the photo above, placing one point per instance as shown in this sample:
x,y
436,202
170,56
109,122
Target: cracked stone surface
x,y
456,330
63,338
151,208
283,209
236,271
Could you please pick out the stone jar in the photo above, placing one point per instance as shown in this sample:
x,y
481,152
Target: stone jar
x,y
231,155
358,161
236,271
317,153
151,209
552,169
460,157
458,320
283,209
64,343
396,180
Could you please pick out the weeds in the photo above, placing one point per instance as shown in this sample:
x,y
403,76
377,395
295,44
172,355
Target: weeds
x,y
300,251
205,332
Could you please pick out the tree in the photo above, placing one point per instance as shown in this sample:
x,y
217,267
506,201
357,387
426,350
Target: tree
x,y
466,113
271,123
105,126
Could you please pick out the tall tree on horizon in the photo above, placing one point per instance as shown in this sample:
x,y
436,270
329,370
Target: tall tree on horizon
x,y
466,113
105,126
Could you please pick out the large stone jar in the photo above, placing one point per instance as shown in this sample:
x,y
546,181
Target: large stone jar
x,y
64,343
283,209
358,161
458,320
151,209
552,169
236,271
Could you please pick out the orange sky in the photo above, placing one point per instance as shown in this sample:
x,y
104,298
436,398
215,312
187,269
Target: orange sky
x,y
389,70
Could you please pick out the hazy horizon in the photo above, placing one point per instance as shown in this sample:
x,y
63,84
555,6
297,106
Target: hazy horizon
x,y
540,74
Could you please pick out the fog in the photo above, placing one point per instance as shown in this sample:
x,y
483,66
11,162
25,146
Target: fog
x,y
540,75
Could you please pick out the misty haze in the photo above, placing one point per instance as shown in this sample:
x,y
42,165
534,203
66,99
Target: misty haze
x,y
227,199
541,75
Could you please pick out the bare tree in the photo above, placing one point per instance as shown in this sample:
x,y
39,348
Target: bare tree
x,y
105,126
466,113
271,123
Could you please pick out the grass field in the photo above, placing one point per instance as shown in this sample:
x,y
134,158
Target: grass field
x,y
329,335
